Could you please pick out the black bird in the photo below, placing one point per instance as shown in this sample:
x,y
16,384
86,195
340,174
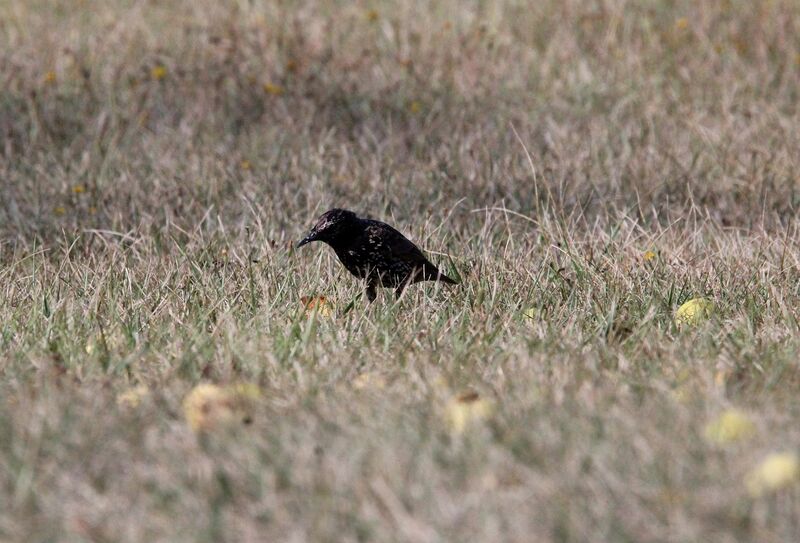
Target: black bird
x,y
374,251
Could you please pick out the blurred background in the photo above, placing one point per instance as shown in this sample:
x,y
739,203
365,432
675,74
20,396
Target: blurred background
x,y
133,114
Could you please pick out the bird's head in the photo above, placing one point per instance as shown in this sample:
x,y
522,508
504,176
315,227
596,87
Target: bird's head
x,y
330,224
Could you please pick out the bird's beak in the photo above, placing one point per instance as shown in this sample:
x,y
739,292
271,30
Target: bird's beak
x,y
308,239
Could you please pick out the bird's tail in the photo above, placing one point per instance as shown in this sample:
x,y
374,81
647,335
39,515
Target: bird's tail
x,y
432,273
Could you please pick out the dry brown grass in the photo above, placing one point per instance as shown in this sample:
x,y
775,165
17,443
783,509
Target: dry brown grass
x,y
159,159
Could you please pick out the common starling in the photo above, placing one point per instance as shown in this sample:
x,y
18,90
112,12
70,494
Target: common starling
x,y
374,251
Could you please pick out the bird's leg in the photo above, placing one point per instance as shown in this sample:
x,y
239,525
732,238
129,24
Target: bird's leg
x,y
412,278
371,292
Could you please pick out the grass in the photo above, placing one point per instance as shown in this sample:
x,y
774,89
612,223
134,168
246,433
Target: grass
x,y
159,160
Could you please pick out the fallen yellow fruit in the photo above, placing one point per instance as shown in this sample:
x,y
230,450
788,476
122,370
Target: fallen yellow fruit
x,y
273,89
776,471
466,409
209,406
732,425
158,72
316,305
132,397
694,312
369,380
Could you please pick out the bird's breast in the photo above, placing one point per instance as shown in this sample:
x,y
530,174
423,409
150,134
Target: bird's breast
x,y
353,260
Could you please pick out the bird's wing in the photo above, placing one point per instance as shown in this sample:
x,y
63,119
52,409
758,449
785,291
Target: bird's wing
x,y
394,244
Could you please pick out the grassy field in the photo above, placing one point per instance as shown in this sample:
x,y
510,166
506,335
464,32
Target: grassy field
x,y
584,168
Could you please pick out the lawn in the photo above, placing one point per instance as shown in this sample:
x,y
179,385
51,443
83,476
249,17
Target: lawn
x,y
173,369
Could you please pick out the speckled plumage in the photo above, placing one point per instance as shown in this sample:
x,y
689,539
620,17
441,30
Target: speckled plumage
x,y
374,251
